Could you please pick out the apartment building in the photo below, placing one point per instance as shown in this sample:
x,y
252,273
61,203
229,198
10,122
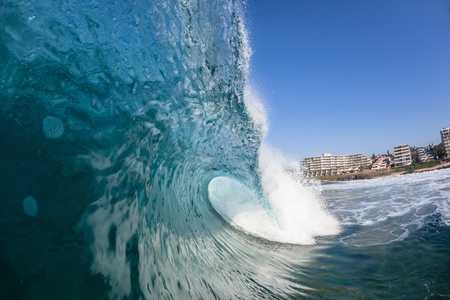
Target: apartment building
x,y
425,154
382,162
402,155
328,164
445,137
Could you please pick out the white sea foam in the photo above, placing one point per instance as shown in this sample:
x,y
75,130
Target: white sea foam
x,y
298,208
112,262
293,214
390,208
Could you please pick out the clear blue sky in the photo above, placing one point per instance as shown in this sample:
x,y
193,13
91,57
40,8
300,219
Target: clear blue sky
x,y
351,76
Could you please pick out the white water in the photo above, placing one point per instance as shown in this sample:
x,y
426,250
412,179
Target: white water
x,y
389,209
294,213
291,213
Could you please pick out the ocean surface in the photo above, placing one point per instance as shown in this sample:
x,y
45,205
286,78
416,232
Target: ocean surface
x,y
133,166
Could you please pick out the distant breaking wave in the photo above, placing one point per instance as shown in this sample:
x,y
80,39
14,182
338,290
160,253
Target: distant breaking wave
x,y
141,136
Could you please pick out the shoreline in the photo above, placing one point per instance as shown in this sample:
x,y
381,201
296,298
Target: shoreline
x,y
374,176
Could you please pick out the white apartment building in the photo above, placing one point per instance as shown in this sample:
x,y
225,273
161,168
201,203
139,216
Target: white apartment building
x,y
382,163
425,154
445,137
402,155
334,164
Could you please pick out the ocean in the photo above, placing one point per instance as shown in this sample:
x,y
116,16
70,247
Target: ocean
x,y
133,166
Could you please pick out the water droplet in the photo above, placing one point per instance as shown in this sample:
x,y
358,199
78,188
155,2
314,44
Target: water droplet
x,y
30,206
53,127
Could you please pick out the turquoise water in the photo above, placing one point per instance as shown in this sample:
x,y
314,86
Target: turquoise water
x,y
133,165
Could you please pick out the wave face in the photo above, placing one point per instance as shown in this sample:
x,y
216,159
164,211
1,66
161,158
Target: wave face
x,y
115,117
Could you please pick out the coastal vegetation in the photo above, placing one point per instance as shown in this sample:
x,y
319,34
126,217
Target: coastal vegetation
x,y
364,174
424,165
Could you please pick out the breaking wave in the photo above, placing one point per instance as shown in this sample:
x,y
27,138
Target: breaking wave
x,y
137,125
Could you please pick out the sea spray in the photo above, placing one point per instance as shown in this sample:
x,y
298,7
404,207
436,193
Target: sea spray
x,y
301,214
287,211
